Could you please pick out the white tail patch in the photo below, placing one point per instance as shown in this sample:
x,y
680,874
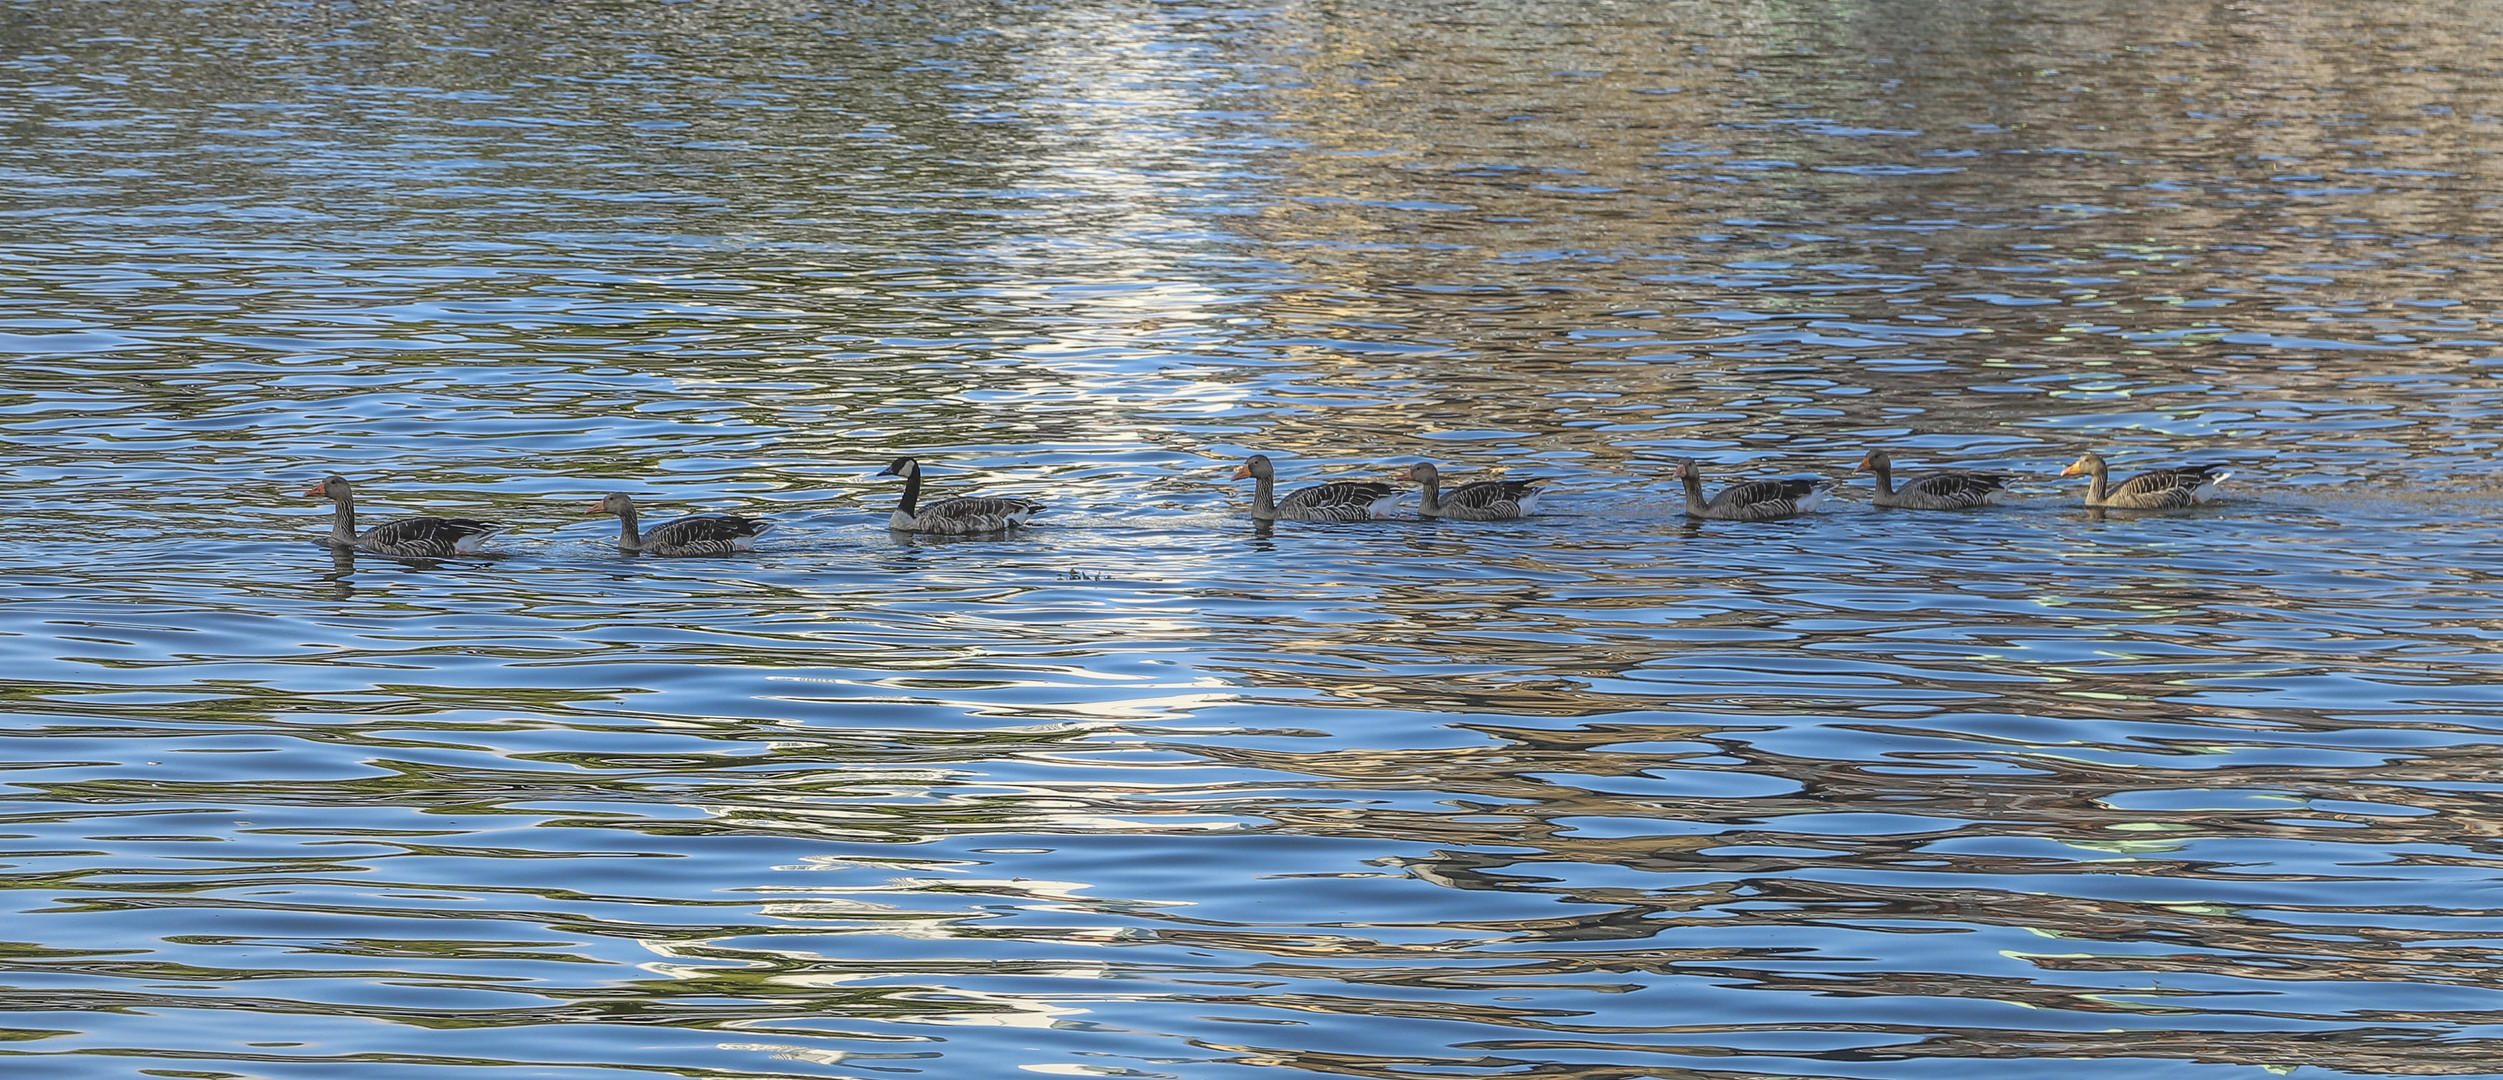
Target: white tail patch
x,y
2207,491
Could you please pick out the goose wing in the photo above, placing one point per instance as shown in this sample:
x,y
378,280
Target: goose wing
x,y
1496,498
705,534
1347,500
1759,500
427,537
975,513
1955,490
2180,485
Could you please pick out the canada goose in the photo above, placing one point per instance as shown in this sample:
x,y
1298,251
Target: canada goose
x,y
958,516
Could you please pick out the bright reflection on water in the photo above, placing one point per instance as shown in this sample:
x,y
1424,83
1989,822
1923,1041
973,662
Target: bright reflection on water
x,y
1152,792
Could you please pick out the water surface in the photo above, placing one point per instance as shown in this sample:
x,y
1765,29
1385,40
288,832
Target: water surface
x,y
1150,790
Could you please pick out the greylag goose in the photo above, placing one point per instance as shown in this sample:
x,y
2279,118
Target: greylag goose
x,y
1755,500
955,517
408,537
1952,489
1345,500
1485,500
695,534
2155,489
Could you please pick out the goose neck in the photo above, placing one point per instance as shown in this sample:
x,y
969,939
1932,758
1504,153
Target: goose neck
x,y
912,491
629,526
342,515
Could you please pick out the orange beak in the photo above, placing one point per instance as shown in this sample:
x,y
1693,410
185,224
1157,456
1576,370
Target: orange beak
x,y
1241,471
322,488
2074,470
600,507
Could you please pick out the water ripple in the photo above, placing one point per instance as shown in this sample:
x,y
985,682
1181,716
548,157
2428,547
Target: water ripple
x,y
1150,790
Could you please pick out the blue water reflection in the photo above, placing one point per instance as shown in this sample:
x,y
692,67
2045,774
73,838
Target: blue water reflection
x,y
1150,790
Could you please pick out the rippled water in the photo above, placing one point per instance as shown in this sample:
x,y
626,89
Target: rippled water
x,y
1151,791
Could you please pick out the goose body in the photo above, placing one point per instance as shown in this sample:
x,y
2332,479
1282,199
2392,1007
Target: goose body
x,y
1485,500
697,534
1755,500
407,538
2155,489
956,517
1953,489
1346,500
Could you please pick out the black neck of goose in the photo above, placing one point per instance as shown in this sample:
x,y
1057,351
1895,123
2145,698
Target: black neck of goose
x,y
342,516
912,490
1885,471
1264,501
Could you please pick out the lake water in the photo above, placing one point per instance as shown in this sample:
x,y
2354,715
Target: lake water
x,y
1151,791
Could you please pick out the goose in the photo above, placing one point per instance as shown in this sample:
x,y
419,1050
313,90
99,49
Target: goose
x,y
1485,500
1953,489
2155,489
408,537
956,517
696,534
1755,500
1346,500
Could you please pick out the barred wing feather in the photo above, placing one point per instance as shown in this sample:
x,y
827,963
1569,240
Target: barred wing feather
x,y
427,537
971,514
1764,500
1343,501
1953,490
1493,499
705,534
2184,485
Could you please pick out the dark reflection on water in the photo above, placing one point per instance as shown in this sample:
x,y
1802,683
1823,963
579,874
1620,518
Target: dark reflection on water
x,y
1153,791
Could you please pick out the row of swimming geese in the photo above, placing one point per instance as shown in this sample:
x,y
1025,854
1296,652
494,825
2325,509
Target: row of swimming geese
x,y
1345,500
